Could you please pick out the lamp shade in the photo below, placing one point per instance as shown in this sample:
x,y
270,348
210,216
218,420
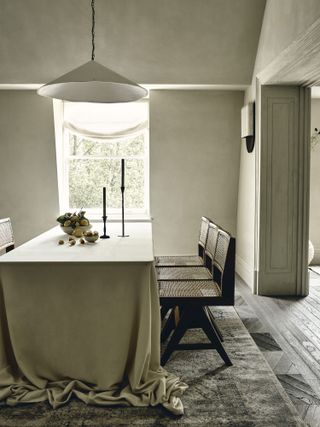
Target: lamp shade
x,y
92,82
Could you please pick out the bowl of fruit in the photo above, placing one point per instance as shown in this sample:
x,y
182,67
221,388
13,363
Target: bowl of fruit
x,y
74,223
91,236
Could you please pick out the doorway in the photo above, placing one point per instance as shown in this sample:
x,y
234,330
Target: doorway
x,y
296,67
314,215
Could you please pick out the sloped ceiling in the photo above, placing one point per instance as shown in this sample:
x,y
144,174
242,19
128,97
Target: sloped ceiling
x,y
150,41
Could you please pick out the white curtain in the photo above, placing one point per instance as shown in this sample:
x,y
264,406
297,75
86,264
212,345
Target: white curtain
x,y
105,121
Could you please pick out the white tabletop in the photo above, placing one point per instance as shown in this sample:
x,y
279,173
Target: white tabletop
x,y
138,247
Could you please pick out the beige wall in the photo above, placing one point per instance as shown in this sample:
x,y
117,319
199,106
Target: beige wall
x,y
195,149
195,154
283,22
28,184
314,226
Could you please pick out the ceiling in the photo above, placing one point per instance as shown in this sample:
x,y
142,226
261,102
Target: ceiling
x,y
149,41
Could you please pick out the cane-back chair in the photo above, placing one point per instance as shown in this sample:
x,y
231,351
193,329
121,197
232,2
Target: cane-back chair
x,y
193,297
188,260
6,235
194,273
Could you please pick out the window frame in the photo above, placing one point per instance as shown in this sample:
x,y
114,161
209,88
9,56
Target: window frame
x,y
63,158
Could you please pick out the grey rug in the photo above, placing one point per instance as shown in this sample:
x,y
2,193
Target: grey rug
x,y
246,394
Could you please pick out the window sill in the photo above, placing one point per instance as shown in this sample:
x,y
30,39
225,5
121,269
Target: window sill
x,y
111,218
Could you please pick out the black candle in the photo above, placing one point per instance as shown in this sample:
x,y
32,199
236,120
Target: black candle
x,y
104,201
122,172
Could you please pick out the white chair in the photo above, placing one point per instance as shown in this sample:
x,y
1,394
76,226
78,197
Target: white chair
x,y
6,235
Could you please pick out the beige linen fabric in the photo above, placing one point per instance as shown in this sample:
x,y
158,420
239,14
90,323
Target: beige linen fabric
x,y
89,329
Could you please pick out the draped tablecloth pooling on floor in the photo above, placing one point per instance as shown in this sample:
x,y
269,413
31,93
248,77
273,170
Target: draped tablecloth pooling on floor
x,y
83,321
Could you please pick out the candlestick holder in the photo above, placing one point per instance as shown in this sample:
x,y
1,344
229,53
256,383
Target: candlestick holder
x,y
122,210
104,236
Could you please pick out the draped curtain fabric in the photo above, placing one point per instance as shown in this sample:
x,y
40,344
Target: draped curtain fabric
x,y
106,121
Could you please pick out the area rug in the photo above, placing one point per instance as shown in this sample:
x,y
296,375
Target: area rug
x,y
243,395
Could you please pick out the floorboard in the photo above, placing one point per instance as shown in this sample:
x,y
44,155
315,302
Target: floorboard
x,y
287,331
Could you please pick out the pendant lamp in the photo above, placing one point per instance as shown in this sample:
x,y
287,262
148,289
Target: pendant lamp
x,y
92,82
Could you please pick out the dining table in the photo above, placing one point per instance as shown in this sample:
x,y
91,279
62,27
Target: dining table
x,y
83,320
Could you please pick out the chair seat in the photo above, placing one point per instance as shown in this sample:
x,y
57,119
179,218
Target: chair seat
x,y
179,261
183,273
189,289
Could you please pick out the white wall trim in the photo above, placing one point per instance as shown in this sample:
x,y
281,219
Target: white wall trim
x,y
304,191
245,271
283,221
299,63
58,130
156,86
20,86
194,87
149,87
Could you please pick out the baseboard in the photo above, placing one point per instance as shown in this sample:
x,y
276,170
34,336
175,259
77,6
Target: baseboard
x,y
175,254
245,271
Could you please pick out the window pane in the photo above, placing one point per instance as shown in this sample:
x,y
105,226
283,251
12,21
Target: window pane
x,y
133,146
87,177
134,182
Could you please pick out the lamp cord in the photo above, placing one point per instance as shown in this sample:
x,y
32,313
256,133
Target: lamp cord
x,y
92,31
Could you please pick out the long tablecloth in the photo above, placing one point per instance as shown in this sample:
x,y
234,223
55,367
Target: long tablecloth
x,y
83,321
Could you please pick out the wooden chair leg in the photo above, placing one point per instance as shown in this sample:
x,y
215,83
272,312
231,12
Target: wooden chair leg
x,y
193,316
164,310
214,323
213,337
175,338
176,315
168,326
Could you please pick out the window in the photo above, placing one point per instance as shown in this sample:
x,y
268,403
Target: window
x,y
94,139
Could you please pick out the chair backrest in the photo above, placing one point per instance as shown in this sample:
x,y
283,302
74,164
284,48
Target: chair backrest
x,y
6,235
204,227
224,265
211,245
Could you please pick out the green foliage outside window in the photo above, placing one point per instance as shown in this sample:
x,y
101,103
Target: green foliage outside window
x,y
95,164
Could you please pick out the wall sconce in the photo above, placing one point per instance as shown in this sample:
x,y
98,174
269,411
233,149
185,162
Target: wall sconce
x,y
248,125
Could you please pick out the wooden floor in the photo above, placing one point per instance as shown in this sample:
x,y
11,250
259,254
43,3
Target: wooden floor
x,y
287,331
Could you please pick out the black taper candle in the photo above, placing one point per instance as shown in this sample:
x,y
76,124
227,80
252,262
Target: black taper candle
x,y
122,197
122,172
104,201
104,216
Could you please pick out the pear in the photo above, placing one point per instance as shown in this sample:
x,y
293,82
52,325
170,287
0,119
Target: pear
x,y
77,232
